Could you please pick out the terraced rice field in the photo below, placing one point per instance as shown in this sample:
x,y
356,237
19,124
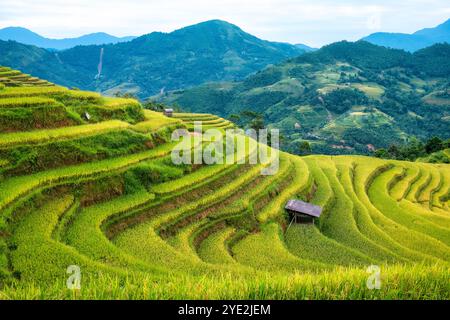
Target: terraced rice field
x,y
207,121
140,227
16,78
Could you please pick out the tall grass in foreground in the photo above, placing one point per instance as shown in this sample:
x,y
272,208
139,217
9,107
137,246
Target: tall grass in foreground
x,y
397,282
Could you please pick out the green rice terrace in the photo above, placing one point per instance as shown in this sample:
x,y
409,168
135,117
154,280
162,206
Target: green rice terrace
x,y
88,181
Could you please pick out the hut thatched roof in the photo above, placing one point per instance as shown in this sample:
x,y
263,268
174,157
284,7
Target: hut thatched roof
x,y
299,206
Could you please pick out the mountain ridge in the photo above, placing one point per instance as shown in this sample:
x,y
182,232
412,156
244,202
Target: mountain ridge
x,y
343,98
26,36
210,51
414,41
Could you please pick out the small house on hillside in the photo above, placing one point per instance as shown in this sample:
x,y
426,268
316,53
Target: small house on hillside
x,y
168,112
302,212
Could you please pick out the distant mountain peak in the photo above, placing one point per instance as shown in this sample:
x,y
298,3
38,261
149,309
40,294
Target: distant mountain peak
x,y
412,42
26,36
20,31
215,24
217,21
445,25
305,47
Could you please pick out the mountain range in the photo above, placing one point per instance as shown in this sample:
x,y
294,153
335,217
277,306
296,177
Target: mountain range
x,y
26,36
157,62
210,51
412,42
343,98
409,42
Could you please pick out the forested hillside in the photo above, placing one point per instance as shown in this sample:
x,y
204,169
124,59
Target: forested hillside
x,y
344,98
209,51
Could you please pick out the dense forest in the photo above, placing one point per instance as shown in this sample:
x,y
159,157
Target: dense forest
x,y
344,98
210,51
434,150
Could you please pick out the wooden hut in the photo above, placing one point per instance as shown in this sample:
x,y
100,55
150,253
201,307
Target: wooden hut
x,y
302,212
168,112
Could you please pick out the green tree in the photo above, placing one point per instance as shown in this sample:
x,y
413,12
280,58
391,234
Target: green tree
x,y
151,105
433,145
235,118
382,153
394,152
127,95
305,147
257,124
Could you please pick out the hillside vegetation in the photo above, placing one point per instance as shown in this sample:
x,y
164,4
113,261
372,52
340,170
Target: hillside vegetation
x,y
101,193
209,51
346,98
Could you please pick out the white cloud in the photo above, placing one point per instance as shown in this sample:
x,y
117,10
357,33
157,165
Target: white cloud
x,y
314,22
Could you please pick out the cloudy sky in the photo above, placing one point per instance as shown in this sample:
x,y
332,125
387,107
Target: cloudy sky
x,y
313,22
